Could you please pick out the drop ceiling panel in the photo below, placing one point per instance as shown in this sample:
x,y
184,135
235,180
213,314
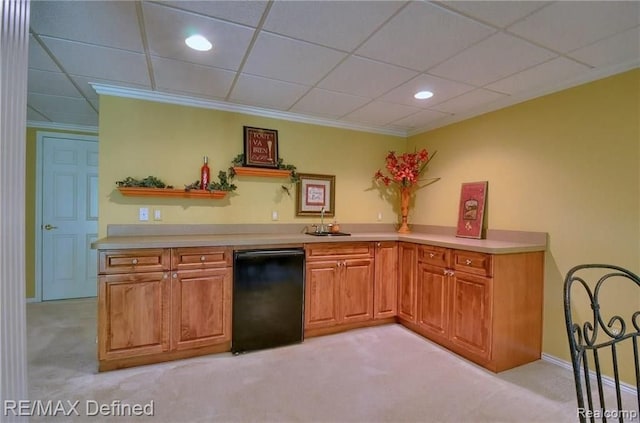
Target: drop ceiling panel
x,y
422,35
289,60
35,116
84,83
167,29
620,48
443,89
365,77
100,62
244,12
50,83
380,113
328,103
185,77
568,25
498,13
53,106
339,24
469,101
266,92
536,77
420,119
39,59
494,58
110,24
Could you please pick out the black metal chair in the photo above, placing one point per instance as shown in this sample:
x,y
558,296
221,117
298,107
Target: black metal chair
x,y
596,342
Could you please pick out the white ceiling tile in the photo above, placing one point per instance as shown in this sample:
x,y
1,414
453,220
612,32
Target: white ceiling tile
x,y
496,57
51,83
60,116
106,23
167,29
39,59
468,101
51,105
285,59
100,62
381,113
339,24
423,35
420,119
568,25
328,103
442,90
266,92
620,48
365,77
498,13
35,116
552,72
84,83
191,78
243,12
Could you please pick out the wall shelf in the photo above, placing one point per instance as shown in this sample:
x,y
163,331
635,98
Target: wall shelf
x,y
260,171
171,192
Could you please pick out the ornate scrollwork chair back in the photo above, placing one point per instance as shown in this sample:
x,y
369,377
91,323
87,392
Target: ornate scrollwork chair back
x,y
601,339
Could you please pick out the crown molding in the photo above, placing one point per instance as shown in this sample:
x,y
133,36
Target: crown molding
x,y
181,100
61,126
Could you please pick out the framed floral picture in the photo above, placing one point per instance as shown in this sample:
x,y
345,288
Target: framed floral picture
x,y
473,196
314,193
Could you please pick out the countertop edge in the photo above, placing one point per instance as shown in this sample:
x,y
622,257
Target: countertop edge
x,y
244,240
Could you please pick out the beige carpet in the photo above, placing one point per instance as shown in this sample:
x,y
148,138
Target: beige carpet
x,y
382,374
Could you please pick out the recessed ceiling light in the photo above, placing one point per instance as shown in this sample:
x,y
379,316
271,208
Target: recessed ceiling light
x,y
423,95
198,42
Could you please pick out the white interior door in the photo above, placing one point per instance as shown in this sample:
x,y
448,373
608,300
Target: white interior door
x,y
69,216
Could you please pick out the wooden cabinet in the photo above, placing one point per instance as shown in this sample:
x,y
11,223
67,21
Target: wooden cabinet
x,y
487,308
339,285
407,295
161,304
385,289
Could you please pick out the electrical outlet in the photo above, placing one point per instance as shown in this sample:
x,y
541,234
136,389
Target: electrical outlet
x,y
379,216
143,214
157,214
274,215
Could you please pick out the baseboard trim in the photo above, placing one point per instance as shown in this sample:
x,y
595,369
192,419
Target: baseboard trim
x,y
606,380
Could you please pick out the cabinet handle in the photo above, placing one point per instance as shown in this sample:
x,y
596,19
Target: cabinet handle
x,y
202,258
378,244
467,262
446,272
175,276
134,261
166,276
431,255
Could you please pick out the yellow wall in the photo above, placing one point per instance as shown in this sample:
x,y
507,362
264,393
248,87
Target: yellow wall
x,y
140,138
30,206
567,164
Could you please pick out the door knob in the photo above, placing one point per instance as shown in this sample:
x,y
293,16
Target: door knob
x,y
49,227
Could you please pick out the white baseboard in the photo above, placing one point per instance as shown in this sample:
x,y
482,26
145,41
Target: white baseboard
x,y
606,380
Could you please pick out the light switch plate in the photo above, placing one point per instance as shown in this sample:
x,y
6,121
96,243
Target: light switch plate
x,y
157,214
143,214
274,215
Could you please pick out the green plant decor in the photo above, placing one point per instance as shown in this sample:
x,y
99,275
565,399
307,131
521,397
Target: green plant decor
x,y
148,182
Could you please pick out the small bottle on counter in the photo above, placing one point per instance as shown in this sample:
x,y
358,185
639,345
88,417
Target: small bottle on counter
x,y
204,174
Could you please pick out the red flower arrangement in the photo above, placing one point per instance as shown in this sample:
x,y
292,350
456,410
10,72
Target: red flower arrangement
x,y
404,170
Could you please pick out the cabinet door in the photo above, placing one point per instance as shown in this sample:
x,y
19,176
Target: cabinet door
x,y
322,295
385,290
356,299
471,313
407,284
433,300
133,315
201,308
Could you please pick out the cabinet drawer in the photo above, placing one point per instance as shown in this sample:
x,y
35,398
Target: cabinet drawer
x,y
133,261
437,256
339,250
472,262
200,258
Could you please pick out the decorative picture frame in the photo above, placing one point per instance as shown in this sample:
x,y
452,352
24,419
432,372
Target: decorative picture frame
x,y
313,192
260,147
473,197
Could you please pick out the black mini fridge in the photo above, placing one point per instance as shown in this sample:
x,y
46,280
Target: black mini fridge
x,y
268,299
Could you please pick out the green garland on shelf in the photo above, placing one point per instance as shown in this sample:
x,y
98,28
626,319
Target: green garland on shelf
x,y
238,161
148,182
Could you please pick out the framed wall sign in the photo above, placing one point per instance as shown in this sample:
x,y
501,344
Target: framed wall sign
x,y
260,147
473,196
313,192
